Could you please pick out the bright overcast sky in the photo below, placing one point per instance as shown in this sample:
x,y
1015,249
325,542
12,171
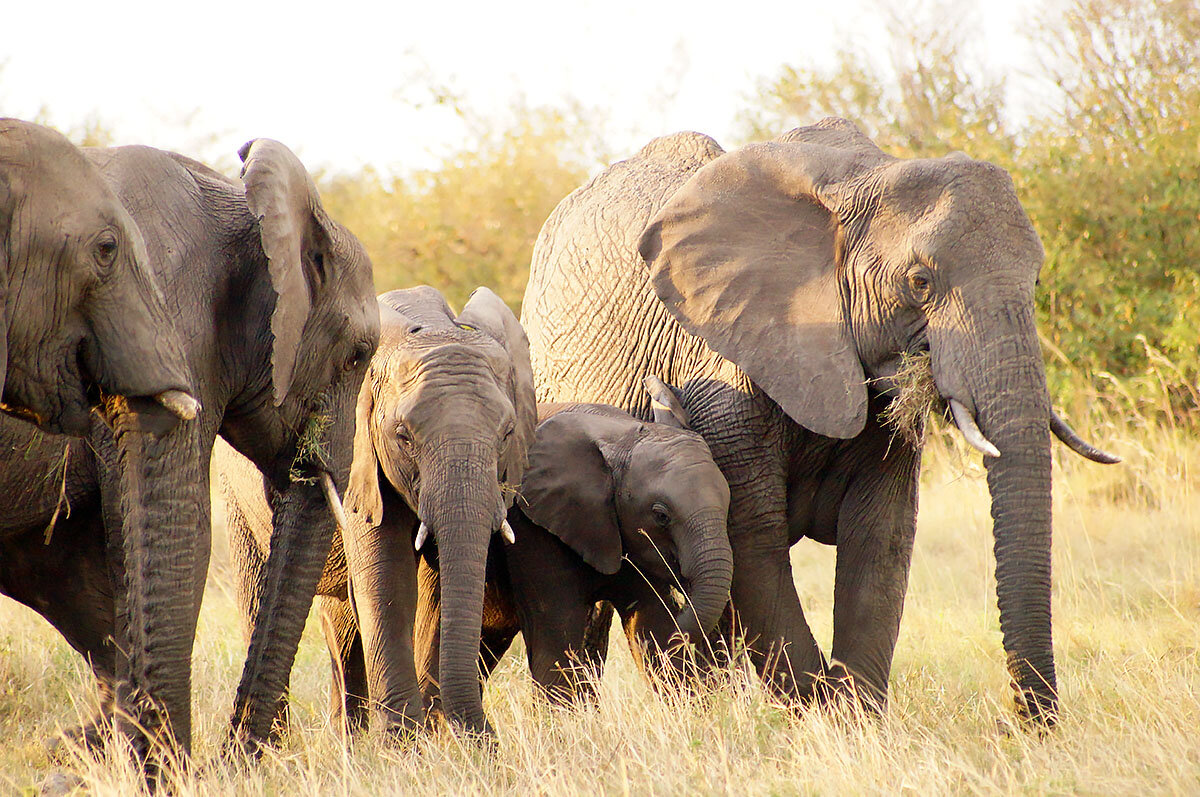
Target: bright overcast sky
x,y
337,82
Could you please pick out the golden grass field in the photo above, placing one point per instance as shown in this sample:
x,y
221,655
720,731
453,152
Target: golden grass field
x,y
1127,632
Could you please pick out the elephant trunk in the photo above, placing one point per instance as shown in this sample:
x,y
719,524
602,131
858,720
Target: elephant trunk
x,y
706,564
459,505
1008,388
156,494
301,534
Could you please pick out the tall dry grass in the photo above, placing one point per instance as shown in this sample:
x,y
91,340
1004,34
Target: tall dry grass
x,y
1127,631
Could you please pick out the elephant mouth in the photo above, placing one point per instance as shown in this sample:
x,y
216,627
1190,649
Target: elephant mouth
x,y
77,389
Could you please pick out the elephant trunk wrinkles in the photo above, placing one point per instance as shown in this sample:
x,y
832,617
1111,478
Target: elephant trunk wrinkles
x,y
157,480
1008,387
459,503
706,563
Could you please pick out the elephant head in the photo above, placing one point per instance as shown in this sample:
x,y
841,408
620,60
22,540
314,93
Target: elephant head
x,y
81,316
816,262
445,418
612,487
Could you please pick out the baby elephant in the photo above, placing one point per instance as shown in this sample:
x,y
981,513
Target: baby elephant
x,y
611,509
443,425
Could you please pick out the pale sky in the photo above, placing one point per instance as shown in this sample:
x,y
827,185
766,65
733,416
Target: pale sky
x,y
342,83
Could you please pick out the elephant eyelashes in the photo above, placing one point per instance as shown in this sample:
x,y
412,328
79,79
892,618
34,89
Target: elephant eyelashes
x,y
661,516
359,358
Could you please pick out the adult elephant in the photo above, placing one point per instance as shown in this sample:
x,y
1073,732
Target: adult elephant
x,y
780,286
443,425
276,303
80,313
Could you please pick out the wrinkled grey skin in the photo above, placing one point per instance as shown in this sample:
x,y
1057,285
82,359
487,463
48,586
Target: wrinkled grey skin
x,y
275,302
612,509
80,313
444,423
771,284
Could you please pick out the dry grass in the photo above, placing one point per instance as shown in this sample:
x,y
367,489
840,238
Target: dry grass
x,y
1127,625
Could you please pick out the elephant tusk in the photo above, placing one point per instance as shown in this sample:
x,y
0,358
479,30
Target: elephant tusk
x,y
182,405
970,430
1078,444
422,533
507,531
335,503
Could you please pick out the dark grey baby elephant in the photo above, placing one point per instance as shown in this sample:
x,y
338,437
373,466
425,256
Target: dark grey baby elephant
x,y
443,425
612,509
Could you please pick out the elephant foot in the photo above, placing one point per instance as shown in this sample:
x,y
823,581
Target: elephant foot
x,y
58,784
90,737
847,697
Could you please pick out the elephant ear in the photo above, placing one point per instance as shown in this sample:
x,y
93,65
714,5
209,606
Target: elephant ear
x,y
745,256
293,227
568,487
424,305
488,313
362,494
665,404
6,211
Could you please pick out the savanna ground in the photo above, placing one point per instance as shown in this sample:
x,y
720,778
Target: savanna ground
x,y
1127,632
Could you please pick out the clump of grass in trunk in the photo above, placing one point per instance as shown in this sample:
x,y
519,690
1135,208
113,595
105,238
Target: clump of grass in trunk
x,y
916,395
310,446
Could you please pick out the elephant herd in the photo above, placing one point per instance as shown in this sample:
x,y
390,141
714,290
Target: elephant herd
x,y
700,377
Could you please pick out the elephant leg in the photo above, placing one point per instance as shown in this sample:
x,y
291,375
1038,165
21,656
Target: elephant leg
x,y
427,633
763,593
250,563
67,582
554,595
649,618
348,701
876,527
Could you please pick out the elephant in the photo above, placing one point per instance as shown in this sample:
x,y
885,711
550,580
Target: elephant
x,y
275,302
443,426
612,509
81,316
782,286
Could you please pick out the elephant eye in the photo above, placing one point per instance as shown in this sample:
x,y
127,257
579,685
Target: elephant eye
x,y
403,436
508,430
661,516
920,286
358,358
106,251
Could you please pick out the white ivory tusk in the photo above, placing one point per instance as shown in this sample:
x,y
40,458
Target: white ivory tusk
x,y
422,533
1078,444
970,430
182,405
508,533
335,503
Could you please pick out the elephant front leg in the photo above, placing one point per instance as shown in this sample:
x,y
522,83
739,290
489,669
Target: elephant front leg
x,y
348,701
875,530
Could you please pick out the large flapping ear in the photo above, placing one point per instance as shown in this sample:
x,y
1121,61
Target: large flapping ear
x,y
665,404
292,225
362,494
744,255
488,313
568,487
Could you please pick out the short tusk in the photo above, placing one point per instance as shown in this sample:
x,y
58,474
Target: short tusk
x,y
970,430
182,405
422,533
507,531
1078,444
335,503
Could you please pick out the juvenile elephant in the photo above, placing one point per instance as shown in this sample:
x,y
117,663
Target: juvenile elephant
x,y
276,304
80,313
444,422
781,286
612,509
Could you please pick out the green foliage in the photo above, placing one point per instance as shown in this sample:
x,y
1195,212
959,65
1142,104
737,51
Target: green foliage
x,y
1109,173
472,220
